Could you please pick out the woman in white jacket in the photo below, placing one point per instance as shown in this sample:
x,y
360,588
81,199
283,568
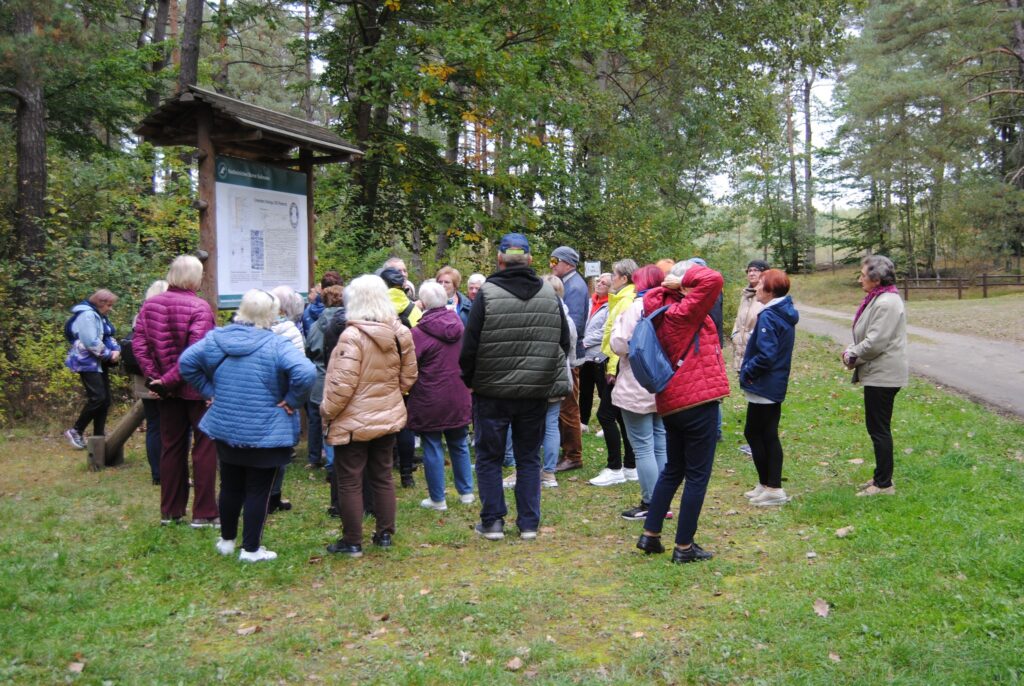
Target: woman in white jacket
x,y
639,413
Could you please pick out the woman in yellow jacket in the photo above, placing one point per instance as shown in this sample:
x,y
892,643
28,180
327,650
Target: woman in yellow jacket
x,y
620,468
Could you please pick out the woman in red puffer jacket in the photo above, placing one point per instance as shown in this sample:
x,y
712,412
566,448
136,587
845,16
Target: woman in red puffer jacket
x,y
687,404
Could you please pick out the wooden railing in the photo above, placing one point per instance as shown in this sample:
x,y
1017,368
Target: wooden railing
x,y
958,283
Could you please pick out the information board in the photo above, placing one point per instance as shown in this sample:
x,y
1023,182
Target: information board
x,y
591,269
262,236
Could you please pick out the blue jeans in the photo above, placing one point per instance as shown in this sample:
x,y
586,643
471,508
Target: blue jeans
x,y
510,459
433,461
492,418
647,436
690,442
552,437
315,432
152,410
329,459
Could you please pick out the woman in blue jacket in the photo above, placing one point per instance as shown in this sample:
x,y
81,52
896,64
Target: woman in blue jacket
x,y
254,380
764,376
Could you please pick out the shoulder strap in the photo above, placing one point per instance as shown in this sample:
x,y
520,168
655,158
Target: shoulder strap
x,y
694,344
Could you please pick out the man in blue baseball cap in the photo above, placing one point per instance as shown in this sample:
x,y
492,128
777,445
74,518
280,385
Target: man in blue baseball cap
x,y
513,358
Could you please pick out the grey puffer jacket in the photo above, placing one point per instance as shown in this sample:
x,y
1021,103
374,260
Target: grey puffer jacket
x,y
594,333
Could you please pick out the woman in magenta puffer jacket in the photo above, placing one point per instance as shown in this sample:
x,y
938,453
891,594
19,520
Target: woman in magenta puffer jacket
x,y
687,404
439,404
168,324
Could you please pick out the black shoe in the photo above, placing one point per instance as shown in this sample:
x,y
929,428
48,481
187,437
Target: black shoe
x,y
156,482
332,511
495,531
277,503
635,514
650,544
692,554
342,548
382,540
408,481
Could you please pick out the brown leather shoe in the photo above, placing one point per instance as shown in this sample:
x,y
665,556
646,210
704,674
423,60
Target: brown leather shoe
x,y
566,465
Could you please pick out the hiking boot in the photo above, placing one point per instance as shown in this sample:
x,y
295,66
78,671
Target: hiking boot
x,y
76,439
495,531
875,490
608,477
382,540
348,549
277,503
568,465
548,480
692,554
635,514
650,544
260,555
408,481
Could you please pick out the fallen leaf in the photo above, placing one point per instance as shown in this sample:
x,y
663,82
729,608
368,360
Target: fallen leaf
x,y
316,559
547,529
821,607
76,667
811,555
514,664
638,634
908,451
464,657
834,657
729,513
249,630
550,638
291,615
823,464
530,674
424,591
844,532
469,619
230,613
856,460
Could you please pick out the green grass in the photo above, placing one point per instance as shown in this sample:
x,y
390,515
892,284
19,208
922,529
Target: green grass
x,y
928,589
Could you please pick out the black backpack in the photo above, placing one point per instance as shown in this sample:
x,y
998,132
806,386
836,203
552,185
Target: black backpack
x,y
129,362
69,335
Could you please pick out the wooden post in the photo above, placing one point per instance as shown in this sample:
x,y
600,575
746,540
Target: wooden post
x,y
959,288
906,288
207,201
108,451
984,285
306,166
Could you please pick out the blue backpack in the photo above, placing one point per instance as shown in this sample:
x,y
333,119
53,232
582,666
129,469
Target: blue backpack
x,y
647,359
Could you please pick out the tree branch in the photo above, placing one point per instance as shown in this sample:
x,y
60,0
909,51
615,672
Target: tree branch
x,y
998,91
13,92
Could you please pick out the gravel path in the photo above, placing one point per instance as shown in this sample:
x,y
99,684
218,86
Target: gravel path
x,y
991,372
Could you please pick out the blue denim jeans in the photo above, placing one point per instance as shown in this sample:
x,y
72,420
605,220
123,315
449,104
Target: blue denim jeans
x,y
552,437
510,458
433,461
152,410
647,436
690,442
329,459
315,432
491,420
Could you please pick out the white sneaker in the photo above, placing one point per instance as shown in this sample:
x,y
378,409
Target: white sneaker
x,y
756,491
600,433
630,474
440,506
225,547
509,481
548,480
608,477
467,498
745,449
584,428
771,496
258,556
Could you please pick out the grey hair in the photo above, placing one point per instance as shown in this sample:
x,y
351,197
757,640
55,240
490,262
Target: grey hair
x,y
103,296
186,271
432,294
258,308
366,299
156,288
681,267
880,268
625,268
291,302
556,283
515,259
475,278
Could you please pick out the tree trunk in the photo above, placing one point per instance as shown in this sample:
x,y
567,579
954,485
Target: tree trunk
x,y
163,9
221,77
307,92
809,228
451,156
189,74
174,28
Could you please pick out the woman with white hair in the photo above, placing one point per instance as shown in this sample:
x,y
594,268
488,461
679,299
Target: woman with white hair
x,y
370,369
878,358
288,315
439,404
167,324
255,380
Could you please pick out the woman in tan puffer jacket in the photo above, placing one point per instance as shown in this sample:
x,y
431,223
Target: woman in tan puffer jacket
x,y
372,366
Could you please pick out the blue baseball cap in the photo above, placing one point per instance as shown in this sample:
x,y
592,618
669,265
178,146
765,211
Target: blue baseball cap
x,y
514,244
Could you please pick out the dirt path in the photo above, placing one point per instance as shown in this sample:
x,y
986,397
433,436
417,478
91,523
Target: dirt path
x,y
991,372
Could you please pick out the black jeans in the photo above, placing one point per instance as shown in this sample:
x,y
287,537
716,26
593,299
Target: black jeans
x,y
152,410
591,377
690,437
614,431
97,402
878,402
762,434
244,490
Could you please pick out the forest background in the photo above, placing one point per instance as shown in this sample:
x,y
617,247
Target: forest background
x,y
601,124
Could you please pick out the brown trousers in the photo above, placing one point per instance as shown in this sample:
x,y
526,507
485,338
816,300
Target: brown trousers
x,y
370,460
569,422
179,421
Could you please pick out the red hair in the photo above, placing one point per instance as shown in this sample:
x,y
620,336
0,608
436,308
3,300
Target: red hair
x,y
776,282
648,276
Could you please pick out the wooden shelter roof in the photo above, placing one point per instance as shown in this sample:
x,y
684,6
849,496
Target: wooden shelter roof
x,y
242,129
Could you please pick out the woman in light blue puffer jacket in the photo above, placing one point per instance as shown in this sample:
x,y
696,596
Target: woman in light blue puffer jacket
x,y
254,380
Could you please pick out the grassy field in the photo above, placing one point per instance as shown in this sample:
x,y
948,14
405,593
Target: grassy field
x,y
998,317
927,588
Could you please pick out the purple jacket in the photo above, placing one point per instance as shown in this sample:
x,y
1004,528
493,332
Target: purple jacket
x,y
438,400
167,324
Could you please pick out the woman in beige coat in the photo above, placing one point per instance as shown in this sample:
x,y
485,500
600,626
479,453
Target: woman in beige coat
x,y
372,366
878,358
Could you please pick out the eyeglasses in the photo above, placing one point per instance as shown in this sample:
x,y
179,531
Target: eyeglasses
x,y
554,261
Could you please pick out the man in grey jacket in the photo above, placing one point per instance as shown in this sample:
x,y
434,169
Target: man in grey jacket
x,y
564,261
513,359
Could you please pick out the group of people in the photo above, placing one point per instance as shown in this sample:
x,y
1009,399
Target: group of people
x,y
377,364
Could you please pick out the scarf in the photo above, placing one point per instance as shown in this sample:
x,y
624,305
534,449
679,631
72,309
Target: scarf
x,y
874,293
596,301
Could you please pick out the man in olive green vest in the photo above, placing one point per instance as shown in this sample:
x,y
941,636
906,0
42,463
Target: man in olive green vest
x,y
513,359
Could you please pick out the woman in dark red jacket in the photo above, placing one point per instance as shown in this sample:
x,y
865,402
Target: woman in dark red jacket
x,y
688,404
168,324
